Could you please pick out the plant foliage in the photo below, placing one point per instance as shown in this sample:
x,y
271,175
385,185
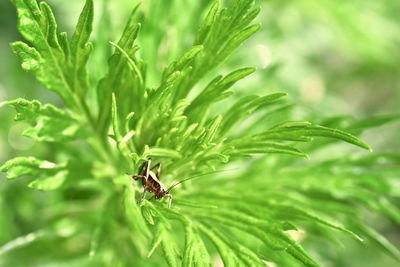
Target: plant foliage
x,y
193,123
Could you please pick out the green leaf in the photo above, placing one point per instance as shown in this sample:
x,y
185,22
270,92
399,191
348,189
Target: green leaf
x,y
303,130
264,147
80,49
211,132
216,90
163,236
235,41
246,106
160,152
195,253
50,123
28,166
47,59
115,120
228,250
49,183
272,237
204,28
302,212
321,131
371,122
132,212
117,65
381,241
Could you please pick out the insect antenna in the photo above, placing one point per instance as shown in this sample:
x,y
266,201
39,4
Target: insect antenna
x,y
196,176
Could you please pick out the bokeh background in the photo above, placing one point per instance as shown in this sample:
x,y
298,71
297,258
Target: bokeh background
x,y
332,57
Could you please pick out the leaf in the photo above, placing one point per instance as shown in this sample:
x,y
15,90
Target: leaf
x,y
257,147
228,250
272,237
162,236
216,90
381,241
160,152
148,215
132,64
133,214
211,132
195,253
28,166
49,58
115,119
235,41
371,122
49,183
245,107
81,48
301,212
204,28
117,64
303,130
188,57
50,123
156,240
321,131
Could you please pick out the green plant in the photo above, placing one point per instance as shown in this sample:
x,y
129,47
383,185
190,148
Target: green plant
x,y
105,131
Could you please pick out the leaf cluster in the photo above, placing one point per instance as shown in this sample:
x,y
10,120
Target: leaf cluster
x,y
108,129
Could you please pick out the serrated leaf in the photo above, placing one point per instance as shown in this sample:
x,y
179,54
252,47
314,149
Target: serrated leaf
x,y
148,214
117,64
50,123
156,240
135,70
272,237
48,58
216,90
49,183
228,250
28,166
195,253
133,213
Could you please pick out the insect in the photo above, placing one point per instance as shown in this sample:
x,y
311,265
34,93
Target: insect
x,y
151,181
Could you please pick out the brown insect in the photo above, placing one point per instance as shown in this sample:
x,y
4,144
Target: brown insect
x,y
151,182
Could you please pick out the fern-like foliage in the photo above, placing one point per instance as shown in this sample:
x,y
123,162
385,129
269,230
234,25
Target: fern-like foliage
x,y
193,125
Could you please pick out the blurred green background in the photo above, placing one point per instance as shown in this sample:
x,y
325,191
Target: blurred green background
x,y
332,57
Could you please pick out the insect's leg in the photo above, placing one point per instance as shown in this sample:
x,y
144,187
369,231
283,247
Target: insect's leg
x,y
158,171
137,177
169,196
143,196
142,168
148,167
